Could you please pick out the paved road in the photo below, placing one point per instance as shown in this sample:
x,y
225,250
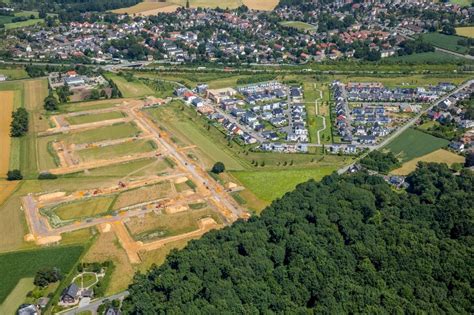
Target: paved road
x,y
410,123
94,304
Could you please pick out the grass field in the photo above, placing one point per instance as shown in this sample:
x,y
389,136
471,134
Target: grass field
x,y
413,143
90,118
6,108
24,264
269,185
463,3
83,106
116,131
449,42
434,57
131,89
14,73
300,26
153,226
135,168
31,22
17,296
467,31
438,156
118,150
84,208
142,194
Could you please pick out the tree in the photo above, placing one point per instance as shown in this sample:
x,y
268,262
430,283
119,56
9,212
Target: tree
x,y
448,29
50,103
218,168
46,276
14,175
469,159
19,124
187,4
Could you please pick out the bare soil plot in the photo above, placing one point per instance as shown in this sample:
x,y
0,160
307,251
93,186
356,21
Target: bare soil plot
x,y
114,151
90,118
143,194
155,226
438,156
92,105
116,131
6,108
84,208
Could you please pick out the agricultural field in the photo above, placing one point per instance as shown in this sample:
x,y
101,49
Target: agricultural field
x,y
467,31
153,226
449,42
17,296
115,151
438,156
15,266
6,108
413,144
134,88
84,208
269,185
300,26
90,118
432,57
148,7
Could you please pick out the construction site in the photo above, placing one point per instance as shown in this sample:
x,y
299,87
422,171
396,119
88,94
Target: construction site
x,y
150,207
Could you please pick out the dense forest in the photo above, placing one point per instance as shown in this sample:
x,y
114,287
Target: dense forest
x,y
349,244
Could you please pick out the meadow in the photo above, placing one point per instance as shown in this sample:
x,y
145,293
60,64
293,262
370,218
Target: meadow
x,y
427,57
269,185
301,26
15,266
134,88
118,150
449,42
413,143
84,208
90,118
14,73
438,156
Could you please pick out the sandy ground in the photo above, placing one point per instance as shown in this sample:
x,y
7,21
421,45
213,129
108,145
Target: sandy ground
x,y
6,108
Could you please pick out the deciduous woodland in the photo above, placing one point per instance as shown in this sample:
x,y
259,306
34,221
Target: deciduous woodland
x,y
346,244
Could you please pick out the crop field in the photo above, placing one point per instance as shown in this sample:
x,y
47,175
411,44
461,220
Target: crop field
x,y
153,226
84,208
118,150
300,26
467,31
17,296
6,189
263,5
438,156
15,266
449,42
434,56
413,143
148,7
92,105
142,194
6,108
135,88
90,118
269,185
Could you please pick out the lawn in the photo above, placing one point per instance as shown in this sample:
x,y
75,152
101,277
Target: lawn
x,y
14,73
135,88
300,26
413,143
438,156
467,31
84,208
269,185
449,42
118,150
15,266
90,118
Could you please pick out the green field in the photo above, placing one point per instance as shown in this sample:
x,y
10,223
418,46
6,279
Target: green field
x,y
449,42
83,106
24,264
118,150
14,73
413,143
300,26
433,57
135,88
10,26
269,185
90,118
463,3
84,208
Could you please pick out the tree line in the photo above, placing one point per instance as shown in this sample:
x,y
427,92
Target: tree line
x,y
346,244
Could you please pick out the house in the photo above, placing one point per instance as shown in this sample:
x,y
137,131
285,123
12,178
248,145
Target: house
x,y
457,146
3,77
70,294
28,309
198,102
